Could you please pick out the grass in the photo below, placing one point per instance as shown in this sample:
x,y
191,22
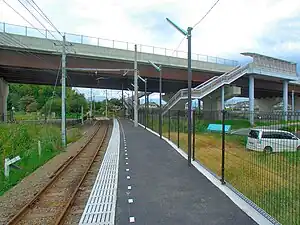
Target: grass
x,y
22,140
18,116
271,181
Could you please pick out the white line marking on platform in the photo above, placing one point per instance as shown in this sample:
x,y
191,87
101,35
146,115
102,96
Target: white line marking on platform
x,y
129,187
127,163
126,158
130,200
127,170
128,177
131,219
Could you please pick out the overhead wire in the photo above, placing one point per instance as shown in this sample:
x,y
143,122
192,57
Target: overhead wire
x,y
44,35
37,19
45,17
54,89
196,24
13,41
16,43
23,17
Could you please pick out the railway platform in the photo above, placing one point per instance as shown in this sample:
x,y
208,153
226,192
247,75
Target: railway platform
x,y
145,180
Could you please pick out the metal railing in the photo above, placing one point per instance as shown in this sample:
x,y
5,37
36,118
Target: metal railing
x,y
200,85
226,78
208,86
81,39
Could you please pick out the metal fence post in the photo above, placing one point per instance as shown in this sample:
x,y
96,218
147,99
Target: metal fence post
x,y
194,129
223,148
178,129
152,120
169,134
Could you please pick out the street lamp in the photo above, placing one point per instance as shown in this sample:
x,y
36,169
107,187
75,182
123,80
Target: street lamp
x,y
159,69
188,34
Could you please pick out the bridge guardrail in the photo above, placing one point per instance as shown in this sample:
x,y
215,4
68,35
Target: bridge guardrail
x,y
81,39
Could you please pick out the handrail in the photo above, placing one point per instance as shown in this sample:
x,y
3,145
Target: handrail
x,y
208,87
81,39
209,80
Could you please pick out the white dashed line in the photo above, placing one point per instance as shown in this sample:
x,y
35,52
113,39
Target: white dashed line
x,y
126,154
127,163
131,219
127,170
125,150
128,177
130,200
126,158
129,187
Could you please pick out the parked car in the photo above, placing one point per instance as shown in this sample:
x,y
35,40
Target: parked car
x,y
272,141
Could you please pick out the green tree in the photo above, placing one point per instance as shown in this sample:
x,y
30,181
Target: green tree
x,y
32,107
25,101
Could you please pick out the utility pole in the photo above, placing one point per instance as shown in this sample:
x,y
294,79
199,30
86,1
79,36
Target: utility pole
x,y
91,104
123,106
63,94
106,103
160,106
95,105
81,114
135,88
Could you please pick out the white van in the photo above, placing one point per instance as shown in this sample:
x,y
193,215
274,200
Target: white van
x,y
272,141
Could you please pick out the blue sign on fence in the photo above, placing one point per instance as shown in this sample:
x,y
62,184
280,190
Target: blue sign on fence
x,y
218,127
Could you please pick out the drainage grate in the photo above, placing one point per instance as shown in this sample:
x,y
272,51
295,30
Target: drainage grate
x,y
101,205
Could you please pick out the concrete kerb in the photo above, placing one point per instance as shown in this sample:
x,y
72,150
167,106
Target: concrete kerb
x,y
234,197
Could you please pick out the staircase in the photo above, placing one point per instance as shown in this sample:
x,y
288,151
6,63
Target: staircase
x,y
207,87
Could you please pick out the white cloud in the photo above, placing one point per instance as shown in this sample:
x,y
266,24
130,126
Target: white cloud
x,y
231,27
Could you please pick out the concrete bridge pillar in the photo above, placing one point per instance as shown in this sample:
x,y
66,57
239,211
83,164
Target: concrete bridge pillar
x,y
297,103
167,96
251,99
4,90
212,107
266,104
285,98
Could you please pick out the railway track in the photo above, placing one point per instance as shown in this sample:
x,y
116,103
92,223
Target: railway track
x,y
51,205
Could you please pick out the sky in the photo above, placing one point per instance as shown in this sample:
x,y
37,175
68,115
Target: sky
x,y
270,27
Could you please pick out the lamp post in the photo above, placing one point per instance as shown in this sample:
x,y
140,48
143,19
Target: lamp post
x,y
188,34
159,69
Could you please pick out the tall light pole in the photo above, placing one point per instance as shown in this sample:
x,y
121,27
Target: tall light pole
x,y
159,69
135,88
188,34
